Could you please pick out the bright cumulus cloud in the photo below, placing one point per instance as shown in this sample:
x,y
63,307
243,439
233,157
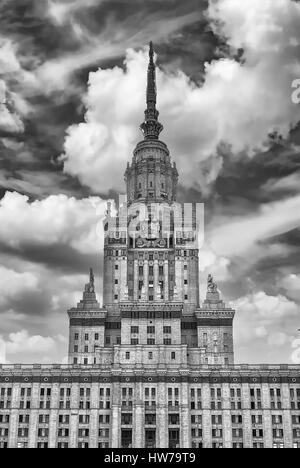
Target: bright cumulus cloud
x,y
14,284
55,219
266,324
240,103
22,342
35,347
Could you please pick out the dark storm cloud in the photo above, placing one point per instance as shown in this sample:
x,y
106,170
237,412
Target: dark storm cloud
x,y
40,38
58,257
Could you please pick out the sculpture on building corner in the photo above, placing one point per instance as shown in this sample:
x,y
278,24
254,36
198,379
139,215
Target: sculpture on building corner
x,y
211,285
91,285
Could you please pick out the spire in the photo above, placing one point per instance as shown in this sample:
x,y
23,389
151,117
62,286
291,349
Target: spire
x,y
151,127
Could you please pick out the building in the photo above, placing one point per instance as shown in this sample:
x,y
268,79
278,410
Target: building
x,y
154,366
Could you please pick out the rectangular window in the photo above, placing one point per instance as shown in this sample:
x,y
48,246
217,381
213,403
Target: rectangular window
x,y
151,330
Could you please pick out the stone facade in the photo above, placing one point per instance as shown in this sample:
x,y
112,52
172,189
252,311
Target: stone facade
x,y
141,406
154,366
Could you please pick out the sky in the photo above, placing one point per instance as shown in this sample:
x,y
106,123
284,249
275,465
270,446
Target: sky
x,y
72,97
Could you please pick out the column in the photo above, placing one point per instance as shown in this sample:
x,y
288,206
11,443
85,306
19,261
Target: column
x,y
73,439
94,415
287,417
185,418
34,416
146,279
33,428
53,425
206,416
155,277
136,280
178,277
115,426
227,427
123,284
115,436
247,419
14,417
166,280
267,416
73,429
162,433
138,435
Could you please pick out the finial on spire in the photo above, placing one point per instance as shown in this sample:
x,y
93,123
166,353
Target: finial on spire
x,y
151,51
151,127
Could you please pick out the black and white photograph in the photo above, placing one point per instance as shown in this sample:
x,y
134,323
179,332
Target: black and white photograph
x,y
150,226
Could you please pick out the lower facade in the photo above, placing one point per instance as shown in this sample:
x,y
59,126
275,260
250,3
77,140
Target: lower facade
x,y
96,407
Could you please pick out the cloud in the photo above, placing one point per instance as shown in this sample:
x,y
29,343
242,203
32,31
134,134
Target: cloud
x,y
62,11
14,80
266,325
291,284
22,342
14,284
56,219
239,104
239,235
2,351
47,247
290,183
111,43
267,308
23,347
295,357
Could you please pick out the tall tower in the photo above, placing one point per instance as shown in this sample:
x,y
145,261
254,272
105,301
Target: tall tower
x,y
151,317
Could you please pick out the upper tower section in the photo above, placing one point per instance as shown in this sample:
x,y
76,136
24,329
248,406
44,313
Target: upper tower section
x,y
151,127
151,177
